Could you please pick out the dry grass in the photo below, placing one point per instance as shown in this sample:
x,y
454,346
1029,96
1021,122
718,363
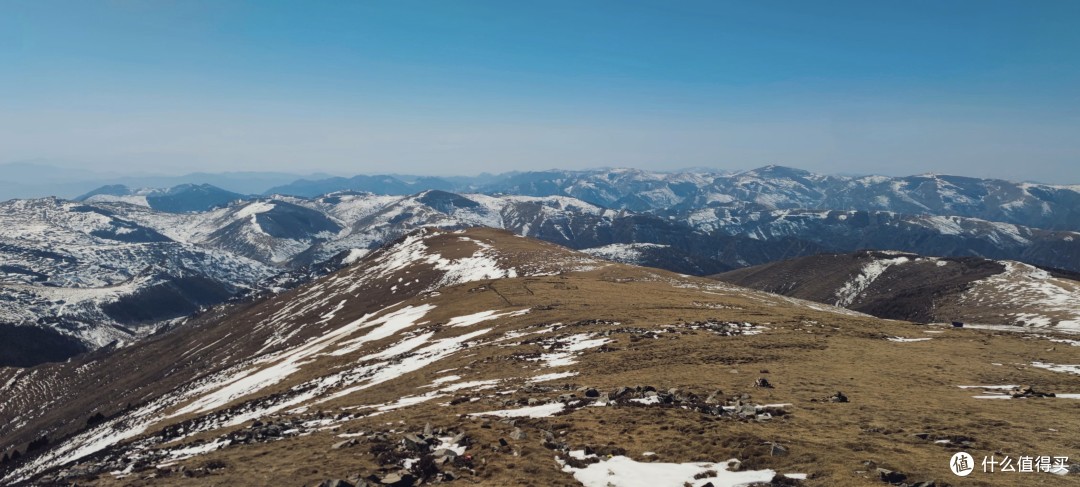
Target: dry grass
x,y
896,391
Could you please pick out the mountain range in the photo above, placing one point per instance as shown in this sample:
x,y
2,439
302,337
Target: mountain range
x,y
122,263
1045,206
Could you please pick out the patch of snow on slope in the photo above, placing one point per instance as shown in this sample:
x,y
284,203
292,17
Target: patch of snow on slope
x,y
376,373
355,255
1067,369
945,225
469,320
628,253
249,381
869,273
1032,296
254,209
562,352
131,199
540,411
552,376
385,326
624,471
482,264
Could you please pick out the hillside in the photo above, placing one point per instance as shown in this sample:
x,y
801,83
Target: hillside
x,y
480,357
84,276
906,286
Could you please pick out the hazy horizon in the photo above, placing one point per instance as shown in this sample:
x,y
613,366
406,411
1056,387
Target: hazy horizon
x,y
981,89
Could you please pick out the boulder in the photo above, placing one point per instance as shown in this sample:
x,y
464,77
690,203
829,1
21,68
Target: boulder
x,y
891,476
335,483
343,444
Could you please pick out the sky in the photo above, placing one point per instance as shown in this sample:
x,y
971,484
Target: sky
x,y
982,88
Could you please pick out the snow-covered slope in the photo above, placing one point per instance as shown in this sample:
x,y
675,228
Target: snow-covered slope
x,y
376,220
269,230
85,272
846,231
1026,295
1052,207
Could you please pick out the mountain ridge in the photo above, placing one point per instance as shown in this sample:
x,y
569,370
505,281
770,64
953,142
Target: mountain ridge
x,y
907,286
524,356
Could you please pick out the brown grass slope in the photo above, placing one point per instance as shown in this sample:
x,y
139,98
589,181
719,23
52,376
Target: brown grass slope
x,y
925,289
910,291
659,330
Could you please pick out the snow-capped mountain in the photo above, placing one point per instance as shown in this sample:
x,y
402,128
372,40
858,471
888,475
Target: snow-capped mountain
x,y
177,199
1052,207
776,187
379,184
566,221
91,277
846,231
269,230
122,243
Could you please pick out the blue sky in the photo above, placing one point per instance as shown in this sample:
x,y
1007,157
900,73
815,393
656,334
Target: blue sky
x,y
983,88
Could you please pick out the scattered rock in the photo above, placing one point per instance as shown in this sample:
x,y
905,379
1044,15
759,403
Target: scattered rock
x,y
1023,392
398,479
763,383
336,483
747,411
344,444
890,476
838,397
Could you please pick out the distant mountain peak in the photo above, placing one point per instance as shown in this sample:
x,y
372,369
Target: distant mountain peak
x,y
774,170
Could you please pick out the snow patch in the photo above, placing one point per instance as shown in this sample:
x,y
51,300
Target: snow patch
x,y
869,273
624,471
540,411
